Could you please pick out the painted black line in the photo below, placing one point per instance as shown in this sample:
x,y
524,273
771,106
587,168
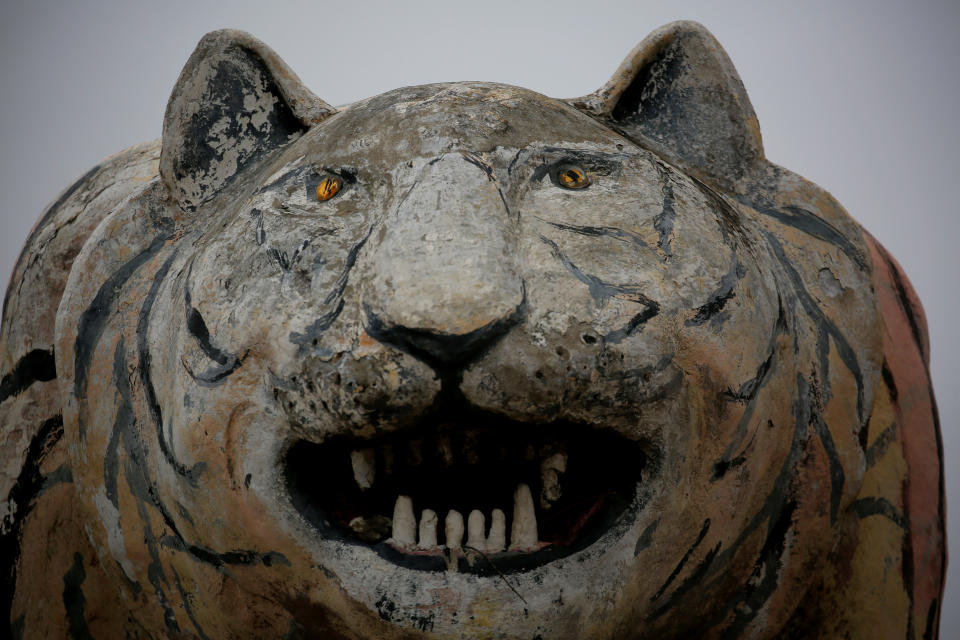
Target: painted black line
x,y
46,218
837,475
227,362
315,330
683,561
218,559
74,601
633,326
38,365
185,599
479,163
646,538
826,328
875,506
600,290
903,299
807,222
94,319
22,497
718,299
880,444
146,377
599,232
665,220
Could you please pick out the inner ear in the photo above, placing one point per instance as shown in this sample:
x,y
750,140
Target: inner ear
x,y
678,94
234,104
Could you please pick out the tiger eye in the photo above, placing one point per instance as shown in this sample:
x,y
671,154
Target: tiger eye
x,y
571,177
328,187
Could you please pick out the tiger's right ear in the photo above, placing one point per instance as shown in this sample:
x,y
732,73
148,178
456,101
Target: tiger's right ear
x,y
235,103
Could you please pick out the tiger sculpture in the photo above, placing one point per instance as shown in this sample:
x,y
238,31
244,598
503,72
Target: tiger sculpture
x,y
464,361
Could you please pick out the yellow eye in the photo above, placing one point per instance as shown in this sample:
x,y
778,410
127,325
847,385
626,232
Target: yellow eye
x,y
571,177
328,187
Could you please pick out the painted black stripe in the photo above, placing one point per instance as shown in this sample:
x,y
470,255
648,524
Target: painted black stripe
x,y
665,220
37,366
683,561
242,557
904,301
74,601
22,498
809,223
633,326
749,393
45,220
837,475
94,318
599,289
227,362
718,299
315,330
185,600
880,444
646,538
826,328
146,377
599,232
874,506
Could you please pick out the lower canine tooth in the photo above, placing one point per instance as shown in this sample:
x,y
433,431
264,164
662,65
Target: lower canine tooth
x,y
523,533
454,529
364,467
550,471
428,530
404,523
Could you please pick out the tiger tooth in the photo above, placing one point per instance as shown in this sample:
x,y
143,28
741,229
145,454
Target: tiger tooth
x,y
475,534
497,539
404,522
523,533
445,451
550,471
428,530
364,467
454,529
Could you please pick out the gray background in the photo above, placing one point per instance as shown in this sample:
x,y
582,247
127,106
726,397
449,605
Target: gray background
x,y
861,97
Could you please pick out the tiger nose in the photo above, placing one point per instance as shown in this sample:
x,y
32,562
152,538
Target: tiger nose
x,y
445,283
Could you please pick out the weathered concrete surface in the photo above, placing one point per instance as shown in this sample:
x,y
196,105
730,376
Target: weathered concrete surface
x,y
460,398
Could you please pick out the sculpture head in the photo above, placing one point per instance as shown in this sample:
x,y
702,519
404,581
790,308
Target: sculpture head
x,y
462,360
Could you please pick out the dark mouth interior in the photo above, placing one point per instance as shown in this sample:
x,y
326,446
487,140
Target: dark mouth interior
x,y
581,481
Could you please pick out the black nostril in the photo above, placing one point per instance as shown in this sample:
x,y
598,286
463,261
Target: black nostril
x,y
443,350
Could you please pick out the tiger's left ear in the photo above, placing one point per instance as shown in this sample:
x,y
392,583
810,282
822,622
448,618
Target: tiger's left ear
x,y
678,94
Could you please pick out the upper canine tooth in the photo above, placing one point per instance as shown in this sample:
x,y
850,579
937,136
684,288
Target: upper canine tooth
x,y
550,471
428,530
475,533
454,529
497,539
364,467
523,533
404,522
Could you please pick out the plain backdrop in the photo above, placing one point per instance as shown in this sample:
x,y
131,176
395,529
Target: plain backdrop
x,y
859,96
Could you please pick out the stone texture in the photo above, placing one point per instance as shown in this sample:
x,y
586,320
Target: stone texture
x,y
196,348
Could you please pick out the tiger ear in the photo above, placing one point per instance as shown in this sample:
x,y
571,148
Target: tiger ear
x,y
235,103
678,94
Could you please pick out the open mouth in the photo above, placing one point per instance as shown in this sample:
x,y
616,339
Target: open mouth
x,y
483,495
